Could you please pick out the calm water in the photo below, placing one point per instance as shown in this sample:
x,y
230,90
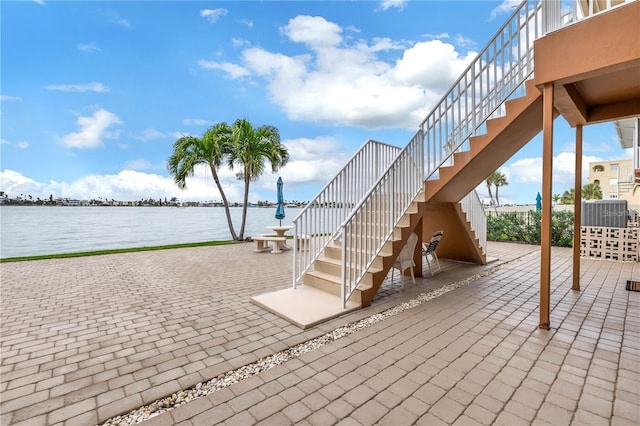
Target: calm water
x,y
27,231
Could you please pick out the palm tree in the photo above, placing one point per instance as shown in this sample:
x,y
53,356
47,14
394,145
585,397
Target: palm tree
x,y
211,149
490,181
496,179
568,196
251,147
556,198
499,180
592,191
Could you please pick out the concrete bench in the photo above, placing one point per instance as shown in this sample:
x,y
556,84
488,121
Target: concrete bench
x,y
263,240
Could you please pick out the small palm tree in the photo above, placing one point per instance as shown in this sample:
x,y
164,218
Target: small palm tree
x,y
251,148
490,181
496,179
568,197
211,149
592,191
556,198
499,180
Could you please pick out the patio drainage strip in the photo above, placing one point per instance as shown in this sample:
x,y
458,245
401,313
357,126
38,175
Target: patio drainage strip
x,y
234,376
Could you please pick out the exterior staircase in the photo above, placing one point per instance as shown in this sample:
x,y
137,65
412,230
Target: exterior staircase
x,y
327,271
358,224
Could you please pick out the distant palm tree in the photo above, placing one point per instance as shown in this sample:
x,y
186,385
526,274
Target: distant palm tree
x,y
490,181
499,180
592,191
211,149
568,196
496,179
251,148
556,198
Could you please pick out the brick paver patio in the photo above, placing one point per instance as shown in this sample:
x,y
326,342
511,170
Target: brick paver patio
x,y
85,339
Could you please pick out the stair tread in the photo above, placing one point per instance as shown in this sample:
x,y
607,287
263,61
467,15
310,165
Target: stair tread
x,y
338,262
335,279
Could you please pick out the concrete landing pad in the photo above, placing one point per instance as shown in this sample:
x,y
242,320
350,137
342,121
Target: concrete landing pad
x,y
305,306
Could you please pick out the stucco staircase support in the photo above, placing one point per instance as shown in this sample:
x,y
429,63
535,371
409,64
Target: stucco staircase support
x,y
459,241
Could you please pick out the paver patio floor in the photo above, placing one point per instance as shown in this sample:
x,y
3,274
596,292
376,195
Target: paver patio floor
x,y
85,339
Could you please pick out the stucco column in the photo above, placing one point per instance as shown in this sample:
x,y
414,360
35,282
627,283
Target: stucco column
x,y
577,210
545,229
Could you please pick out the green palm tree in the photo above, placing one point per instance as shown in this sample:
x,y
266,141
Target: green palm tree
x,y
490,181
211,150
251,149
556,198
568,196
499,180
592,191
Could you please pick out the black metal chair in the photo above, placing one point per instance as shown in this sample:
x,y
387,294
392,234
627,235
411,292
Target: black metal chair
x,y
429,249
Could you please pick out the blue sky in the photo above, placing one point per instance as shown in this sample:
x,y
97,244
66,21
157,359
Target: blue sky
x,y
95,93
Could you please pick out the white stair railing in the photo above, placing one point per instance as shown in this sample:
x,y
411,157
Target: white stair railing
x,y
371,223
473,208
319,222
497,74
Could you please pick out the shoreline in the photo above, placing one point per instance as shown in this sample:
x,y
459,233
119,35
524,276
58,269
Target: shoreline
x,y
118,251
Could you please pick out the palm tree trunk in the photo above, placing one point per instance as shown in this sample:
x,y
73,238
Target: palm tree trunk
x,y
224,201
247,179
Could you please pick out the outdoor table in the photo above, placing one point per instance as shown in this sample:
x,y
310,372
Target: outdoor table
x,y
280,232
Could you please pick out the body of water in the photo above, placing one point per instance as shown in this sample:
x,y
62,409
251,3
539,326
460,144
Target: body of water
x,y
37,230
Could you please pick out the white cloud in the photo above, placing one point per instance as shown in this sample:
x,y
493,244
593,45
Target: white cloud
x,y
236,71
127,185
7,98
88,47
88,87
315,31
247,22
142,164
196,122
23,144
92,130
212,15
312,163
529,170
462,41
441,36
240,42
121,21
40,2
3,141
388,4
373,84
506,7
149,134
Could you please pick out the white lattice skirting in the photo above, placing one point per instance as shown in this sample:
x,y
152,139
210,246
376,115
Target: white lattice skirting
x,y
619,244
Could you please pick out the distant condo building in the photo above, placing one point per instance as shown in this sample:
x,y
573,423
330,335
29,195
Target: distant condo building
x,y
616,179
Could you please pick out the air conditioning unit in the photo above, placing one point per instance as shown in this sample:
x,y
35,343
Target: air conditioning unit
x,y
605,213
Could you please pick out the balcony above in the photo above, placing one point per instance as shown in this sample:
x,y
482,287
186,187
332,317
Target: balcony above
x,y
594,65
